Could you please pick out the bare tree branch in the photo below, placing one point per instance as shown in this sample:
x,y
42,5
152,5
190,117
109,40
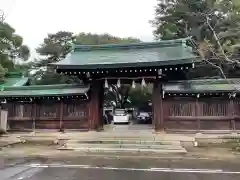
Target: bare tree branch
x,y
226,58
218,42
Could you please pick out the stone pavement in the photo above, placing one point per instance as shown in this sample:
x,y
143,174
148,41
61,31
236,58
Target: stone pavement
x,y
86,168
136,145
126,138
54,135
121,137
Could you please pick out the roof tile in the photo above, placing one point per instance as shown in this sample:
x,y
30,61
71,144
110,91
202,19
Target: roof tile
x,y
129,55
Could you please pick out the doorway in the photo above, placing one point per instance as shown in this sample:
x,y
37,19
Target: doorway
x,y
128,101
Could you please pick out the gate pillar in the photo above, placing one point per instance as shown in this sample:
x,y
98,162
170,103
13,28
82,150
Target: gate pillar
x,y
157,106
95,109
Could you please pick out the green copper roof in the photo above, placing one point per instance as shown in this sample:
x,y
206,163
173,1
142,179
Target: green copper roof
x,y
160,53
43,90
203,86
14,79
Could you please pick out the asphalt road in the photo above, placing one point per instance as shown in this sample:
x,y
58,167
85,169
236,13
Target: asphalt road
x,y
118,169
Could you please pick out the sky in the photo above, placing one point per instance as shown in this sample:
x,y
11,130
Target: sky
x,y
34,19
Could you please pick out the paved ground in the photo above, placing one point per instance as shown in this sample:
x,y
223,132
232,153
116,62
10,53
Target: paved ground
x,y
37,162
115,132
118,169
39,150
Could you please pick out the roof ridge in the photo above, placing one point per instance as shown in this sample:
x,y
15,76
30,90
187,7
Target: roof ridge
x,y
162,43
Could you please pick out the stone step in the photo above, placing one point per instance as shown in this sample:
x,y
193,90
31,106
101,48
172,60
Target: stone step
x,y
131,146
123,137
108,137
129,150
123,141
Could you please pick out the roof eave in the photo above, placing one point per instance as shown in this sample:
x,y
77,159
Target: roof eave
x,y
129,65
18,91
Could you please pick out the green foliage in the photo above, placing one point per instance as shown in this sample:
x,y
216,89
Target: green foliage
x,y
11,48
95,39
181,18
126,96
142,92
2,74
117,96
49,77
54,48
7,63
204,20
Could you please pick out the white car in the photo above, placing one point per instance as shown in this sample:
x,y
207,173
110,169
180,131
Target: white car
x,y
121,116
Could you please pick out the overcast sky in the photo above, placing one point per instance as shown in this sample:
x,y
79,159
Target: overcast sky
x,y
34,19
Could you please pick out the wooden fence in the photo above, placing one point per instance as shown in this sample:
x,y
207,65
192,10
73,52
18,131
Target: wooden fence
x,y
48,115
178,113
201,114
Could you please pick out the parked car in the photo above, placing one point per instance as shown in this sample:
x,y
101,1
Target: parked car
x,y
144,118
121,116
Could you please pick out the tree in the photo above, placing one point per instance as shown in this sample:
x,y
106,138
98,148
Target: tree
x,y
182,18
2,74
11,48
144,92
126,96
212,24
95,39
117,96
54,48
